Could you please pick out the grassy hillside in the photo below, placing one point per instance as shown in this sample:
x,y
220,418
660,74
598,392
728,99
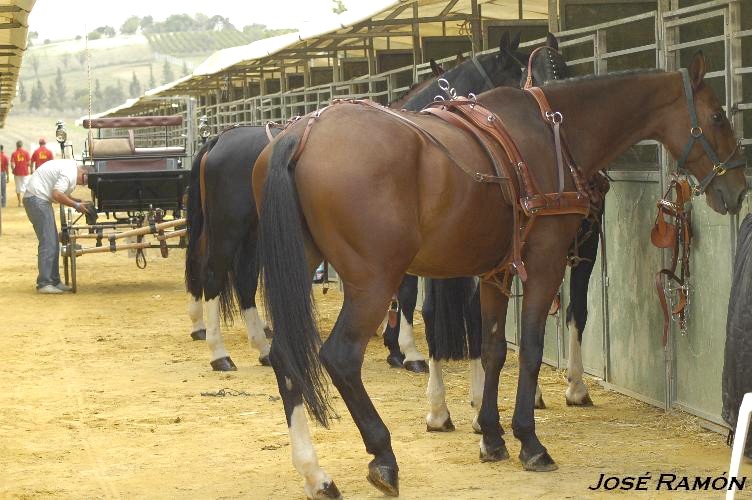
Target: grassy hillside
x,y
191,42
113,61
30,127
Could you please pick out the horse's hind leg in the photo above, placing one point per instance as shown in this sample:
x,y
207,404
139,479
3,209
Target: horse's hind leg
x,y
220,360
246,283
342,356
577,392
196,314
408,298
494,354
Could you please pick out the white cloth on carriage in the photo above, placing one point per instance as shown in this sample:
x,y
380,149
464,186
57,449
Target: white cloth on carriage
x,y
54,175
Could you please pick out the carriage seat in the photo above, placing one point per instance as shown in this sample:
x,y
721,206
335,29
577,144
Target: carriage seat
x,y
109,147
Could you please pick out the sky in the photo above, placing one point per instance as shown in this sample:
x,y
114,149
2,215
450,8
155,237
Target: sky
x,y
58,20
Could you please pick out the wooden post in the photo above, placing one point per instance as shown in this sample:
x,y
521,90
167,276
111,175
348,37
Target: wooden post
x,y
417,51
477,33
553,16
372,70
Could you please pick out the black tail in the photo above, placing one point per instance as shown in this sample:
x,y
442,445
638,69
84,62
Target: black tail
x,y
451,312
287,283
195,224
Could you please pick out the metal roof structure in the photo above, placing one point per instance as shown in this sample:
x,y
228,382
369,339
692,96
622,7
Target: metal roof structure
x,y
14,25
384,24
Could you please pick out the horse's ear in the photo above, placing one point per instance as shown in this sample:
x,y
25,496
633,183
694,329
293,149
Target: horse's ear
x,y
697,70
551,41
435,68
515,44
504,42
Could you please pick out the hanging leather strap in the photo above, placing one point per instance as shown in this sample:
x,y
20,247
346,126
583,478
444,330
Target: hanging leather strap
x,y
676,235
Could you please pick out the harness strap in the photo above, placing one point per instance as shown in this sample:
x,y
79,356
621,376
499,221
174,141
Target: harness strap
x,y
678,237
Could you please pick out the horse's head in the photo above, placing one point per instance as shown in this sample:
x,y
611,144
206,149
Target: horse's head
x,y
503,68
546,64
700,136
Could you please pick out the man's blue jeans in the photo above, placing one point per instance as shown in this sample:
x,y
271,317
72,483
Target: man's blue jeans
x,y
42,217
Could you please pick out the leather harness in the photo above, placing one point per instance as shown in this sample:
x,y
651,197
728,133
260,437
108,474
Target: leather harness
x,y
517,183
677,236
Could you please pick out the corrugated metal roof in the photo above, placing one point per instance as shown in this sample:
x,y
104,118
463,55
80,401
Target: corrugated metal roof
x,y
14,25
260,55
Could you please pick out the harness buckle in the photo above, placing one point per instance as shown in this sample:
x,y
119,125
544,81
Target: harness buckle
x,y
696,132
719,169
556,117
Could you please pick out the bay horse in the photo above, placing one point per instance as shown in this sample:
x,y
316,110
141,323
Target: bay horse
x,y
378,202
221,265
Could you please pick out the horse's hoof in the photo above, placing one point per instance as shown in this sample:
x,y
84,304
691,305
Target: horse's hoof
x,y
330,490
269,334
384,478
540,404
447,426
199,334
586,401
264,360
541,462
495,455
418,366
395,360
223,365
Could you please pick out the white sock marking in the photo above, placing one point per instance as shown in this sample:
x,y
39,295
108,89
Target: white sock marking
x,y
304,455
407,341
255,328
213,333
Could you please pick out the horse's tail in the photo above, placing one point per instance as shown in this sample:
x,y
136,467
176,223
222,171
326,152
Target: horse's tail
x,y
195,224
287,282
449,316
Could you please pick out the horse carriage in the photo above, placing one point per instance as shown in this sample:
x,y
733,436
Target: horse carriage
x,y
137,190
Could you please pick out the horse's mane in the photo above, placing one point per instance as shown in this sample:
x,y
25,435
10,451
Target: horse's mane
x,y
608,76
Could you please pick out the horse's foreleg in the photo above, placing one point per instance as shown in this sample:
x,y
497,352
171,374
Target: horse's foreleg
x,y
342,356
577,392
220,360
494,354
545,262
408,298
474,343
256,334
196,314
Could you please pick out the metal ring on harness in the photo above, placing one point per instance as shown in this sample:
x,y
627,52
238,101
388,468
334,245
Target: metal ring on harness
x,y
556,117
140,259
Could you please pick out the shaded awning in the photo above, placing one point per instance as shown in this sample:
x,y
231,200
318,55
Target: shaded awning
x,y
14,25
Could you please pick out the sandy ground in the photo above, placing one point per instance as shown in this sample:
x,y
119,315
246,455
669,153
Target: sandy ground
x,y
100,394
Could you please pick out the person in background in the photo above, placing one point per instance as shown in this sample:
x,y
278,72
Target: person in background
x,y
3,175
52,182
40,155
19,163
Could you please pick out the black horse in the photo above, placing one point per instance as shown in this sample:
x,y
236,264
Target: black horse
x,y
221,264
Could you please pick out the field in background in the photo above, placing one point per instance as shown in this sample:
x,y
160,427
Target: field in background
x,y
30,127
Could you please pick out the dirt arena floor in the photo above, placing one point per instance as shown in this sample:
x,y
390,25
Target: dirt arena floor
x,y
101,397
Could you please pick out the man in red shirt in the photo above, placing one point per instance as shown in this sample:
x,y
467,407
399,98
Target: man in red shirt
x,y
40,155
19,163
3,174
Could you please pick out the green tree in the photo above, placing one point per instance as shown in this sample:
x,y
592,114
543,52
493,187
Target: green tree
x,y
130,26
152,81
134,89
113,95
21,91
65,57
59,92
34,60
185,68
167,74
81,56
38,96
147,24
338,7
97,97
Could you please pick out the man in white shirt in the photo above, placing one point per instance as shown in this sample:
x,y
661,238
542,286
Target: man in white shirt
x,y
54,181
